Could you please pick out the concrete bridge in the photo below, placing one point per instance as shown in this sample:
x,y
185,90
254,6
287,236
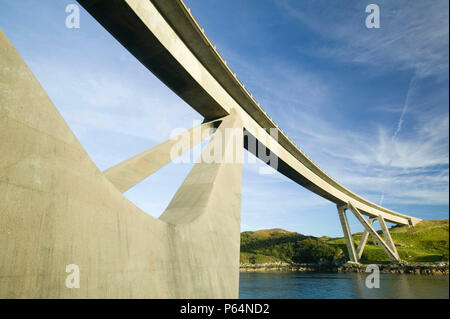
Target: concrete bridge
x,y
58,209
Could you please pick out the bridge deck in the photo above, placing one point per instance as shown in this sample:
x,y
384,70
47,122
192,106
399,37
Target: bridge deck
x,y
164,36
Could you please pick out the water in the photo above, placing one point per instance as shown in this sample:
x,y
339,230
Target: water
x,y
340,286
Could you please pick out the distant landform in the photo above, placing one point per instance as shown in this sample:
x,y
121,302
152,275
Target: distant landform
x,y
424,248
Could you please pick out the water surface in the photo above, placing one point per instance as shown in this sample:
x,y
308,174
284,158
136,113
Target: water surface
x,y
340,286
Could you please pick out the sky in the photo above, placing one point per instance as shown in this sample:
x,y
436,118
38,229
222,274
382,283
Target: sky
x,y
369,106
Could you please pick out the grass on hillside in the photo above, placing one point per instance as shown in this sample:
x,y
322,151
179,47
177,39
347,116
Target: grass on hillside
x,y
275,245
428,241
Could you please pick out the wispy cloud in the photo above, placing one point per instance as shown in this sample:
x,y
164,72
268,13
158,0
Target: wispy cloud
x,y
414,34
407,170
405,160
405,107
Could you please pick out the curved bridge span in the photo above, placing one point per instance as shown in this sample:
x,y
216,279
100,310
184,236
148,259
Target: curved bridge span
x,y
59,212
169,42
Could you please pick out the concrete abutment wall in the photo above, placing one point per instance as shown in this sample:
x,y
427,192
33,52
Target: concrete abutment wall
x,y
57,208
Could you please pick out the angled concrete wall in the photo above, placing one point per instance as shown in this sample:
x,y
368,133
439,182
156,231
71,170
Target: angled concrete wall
x,y
57,208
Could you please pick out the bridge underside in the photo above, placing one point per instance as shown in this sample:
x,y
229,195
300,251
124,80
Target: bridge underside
x,y
164,37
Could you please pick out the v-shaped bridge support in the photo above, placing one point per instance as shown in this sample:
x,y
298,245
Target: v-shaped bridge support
x,y
387,244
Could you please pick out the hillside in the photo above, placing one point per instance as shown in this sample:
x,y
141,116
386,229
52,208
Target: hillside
x,y
428,241
273,245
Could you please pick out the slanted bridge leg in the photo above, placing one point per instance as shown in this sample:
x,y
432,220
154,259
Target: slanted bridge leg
x,y
347,234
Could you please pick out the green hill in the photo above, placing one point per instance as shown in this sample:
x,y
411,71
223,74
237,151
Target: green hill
x,y
426,242
273,245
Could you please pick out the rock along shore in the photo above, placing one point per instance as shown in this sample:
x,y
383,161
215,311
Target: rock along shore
x,y
441,268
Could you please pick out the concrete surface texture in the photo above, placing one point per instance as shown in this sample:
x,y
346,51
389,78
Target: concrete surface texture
x,y
57,208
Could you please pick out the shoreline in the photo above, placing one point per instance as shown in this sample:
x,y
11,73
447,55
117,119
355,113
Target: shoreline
x,y
438,268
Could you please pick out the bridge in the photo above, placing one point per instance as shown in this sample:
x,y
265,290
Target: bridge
x,y
58,209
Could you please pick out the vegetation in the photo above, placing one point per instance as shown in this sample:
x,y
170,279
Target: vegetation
x,y
428,241
274,245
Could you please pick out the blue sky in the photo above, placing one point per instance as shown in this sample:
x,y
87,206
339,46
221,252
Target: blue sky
x,y
369,106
